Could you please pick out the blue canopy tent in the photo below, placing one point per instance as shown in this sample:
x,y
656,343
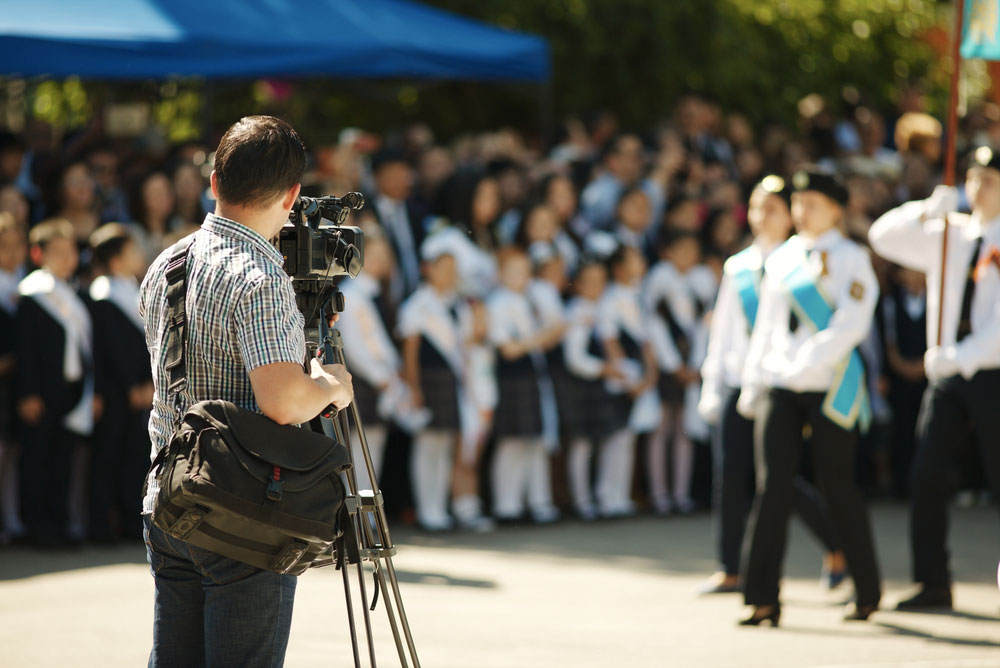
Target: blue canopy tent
x,y
139,39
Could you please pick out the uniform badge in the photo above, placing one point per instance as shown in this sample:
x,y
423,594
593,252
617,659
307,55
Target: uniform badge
x,y
857,290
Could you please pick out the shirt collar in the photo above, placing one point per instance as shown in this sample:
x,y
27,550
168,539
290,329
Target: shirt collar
x,y
224,227
824,241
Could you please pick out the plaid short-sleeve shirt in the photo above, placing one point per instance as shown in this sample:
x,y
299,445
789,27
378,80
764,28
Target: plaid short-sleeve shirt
x,y
241,314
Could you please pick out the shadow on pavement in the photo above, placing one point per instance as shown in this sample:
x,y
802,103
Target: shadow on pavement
x,y
914,633
22,561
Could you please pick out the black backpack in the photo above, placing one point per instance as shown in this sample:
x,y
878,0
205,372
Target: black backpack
x,y
239,484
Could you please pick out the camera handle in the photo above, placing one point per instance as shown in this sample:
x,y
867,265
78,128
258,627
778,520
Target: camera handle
x,y
365,507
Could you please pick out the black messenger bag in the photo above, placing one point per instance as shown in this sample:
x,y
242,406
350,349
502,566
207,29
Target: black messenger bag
x,y
239,484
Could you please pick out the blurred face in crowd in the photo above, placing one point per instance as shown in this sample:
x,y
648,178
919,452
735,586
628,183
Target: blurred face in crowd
x,y
77,187
157,196
104,167
541,225
554,272
684,216
188,184
590,281
634,211
14,202
436,165
515,271
485,203
13,249
631,268
59,256
442,273
561,196
982,186
814,213
130,262
684,254
10,163
378,258
395,180
769,216
625,162
513,187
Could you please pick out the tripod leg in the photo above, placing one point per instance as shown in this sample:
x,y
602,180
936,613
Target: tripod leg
x,y
350,615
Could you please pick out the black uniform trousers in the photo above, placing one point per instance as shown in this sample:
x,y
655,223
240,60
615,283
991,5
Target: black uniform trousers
x,y
778,445
955,413
733,458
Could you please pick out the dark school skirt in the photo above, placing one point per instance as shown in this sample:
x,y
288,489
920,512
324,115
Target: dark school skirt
x,y
592,412
439,387
519,406
670,388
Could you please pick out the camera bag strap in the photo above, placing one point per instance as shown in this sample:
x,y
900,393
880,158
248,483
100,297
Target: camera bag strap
x,y
176,275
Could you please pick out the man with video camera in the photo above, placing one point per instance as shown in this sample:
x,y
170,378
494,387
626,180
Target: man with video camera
x,y
246,345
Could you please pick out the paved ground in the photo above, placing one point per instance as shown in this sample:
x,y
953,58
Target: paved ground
x,y
571,595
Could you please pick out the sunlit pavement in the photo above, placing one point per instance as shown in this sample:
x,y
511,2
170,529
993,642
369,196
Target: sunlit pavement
x,y
570,595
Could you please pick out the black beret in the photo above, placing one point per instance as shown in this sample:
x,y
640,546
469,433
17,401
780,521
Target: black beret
x,y
828,184
984,156
775,185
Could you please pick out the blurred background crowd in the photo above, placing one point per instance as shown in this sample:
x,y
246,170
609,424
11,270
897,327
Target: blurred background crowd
x,y
676,192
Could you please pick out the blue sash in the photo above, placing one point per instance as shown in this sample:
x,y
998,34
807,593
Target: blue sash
x,y
746,280
847,402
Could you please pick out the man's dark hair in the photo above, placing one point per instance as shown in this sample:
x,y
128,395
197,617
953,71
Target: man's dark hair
x,y
259,158
108,242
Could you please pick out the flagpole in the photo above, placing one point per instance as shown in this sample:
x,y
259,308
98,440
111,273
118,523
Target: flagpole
x,y
950,145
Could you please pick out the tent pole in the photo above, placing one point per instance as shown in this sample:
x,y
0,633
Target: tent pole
x,y
950,146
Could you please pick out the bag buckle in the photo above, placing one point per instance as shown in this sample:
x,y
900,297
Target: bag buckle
x,y
274,485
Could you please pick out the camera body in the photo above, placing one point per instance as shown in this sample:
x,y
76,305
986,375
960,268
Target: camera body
x,y
316,244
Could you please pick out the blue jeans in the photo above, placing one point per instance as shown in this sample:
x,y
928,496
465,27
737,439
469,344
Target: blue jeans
x,y
213,611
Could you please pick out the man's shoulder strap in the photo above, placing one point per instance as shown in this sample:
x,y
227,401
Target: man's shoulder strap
x,y
176,275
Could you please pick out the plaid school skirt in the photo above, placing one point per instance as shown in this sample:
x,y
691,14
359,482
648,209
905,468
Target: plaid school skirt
x,y
591,411
519,408
440,389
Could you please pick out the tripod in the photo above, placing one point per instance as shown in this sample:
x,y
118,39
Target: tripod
x,y
316,298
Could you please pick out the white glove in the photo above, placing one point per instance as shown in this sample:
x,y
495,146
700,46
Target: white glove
x,y
748,405
943,200
941,362
710,407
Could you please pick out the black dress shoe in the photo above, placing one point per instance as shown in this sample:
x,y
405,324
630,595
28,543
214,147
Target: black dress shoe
x,y
770,613
860,613
927,597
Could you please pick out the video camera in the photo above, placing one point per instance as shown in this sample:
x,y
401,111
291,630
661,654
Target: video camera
x,y
315,242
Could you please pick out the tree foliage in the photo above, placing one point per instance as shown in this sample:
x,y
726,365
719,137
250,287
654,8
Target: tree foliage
x,y
632,57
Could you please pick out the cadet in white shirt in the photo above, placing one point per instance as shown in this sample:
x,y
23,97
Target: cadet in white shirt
x,y
803,372
435,325
526,423
960,404
733,318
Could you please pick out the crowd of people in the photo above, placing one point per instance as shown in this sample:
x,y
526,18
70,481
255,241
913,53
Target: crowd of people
x,y
529,334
